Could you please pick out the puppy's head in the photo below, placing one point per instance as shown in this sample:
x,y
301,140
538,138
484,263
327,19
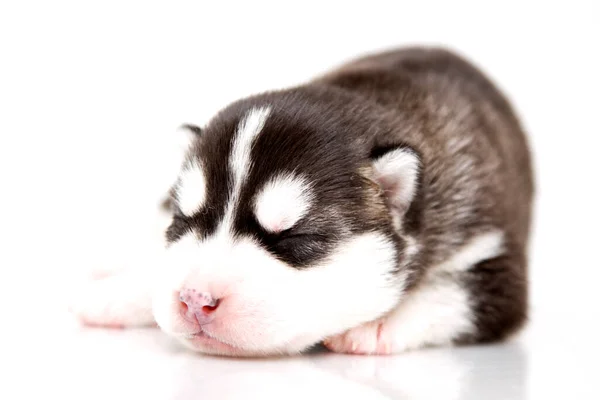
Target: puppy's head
x,y
286,229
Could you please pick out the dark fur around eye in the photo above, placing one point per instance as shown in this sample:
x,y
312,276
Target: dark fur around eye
x,y
300,247
300,250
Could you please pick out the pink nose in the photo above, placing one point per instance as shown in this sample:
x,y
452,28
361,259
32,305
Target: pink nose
x,y
199,306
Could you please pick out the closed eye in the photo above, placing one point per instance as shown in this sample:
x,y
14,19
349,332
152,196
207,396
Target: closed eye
x,y
291,234
299,241
299,249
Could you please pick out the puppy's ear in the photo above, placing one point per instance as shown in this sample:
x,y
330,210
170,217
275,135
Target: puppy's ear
x,y
191,129
396,170
187,134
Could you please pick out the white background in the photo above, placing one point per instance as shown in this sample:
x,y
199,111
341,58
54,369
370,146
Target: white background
x,y
91,93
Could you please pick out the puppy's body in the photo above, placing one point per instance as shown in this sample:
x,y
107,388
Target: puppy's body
x,y
382,207
476,176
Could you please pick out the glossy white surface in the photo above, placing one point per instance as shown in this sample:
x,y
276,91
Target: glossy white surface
x,y
554,358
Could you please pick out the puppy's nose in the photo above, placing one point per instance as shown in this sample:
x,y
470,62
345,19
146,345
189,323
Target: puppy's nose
x,y
198,305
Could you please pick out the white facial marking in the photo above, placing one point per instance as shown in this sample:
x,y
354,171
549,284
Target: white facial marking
x,y
191,189
360,272
247,130
282,202
239,159
261,292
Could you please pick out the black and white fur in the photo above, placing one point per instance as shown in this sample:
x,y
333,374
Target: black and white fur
x,y
379,208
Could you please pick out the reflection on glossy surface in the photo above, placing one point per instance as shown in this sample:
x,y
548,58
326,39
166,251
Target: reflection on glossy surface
x,y
439,373
83,363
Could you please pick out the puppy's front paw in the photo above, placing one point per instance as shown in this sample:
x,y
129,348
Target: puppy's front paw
x,y
112,302
369,338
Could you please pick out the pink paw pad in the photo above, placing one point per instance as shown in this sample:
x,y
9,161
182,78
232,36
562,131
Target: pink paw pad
x,y
367,339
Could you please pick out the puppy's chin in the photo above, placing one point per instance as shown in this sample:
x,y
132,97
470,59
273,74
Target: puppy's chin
x,y
204,344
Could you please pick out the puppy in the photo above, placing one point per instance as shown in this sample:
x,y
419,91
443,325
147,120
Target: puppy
x,y
382,207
